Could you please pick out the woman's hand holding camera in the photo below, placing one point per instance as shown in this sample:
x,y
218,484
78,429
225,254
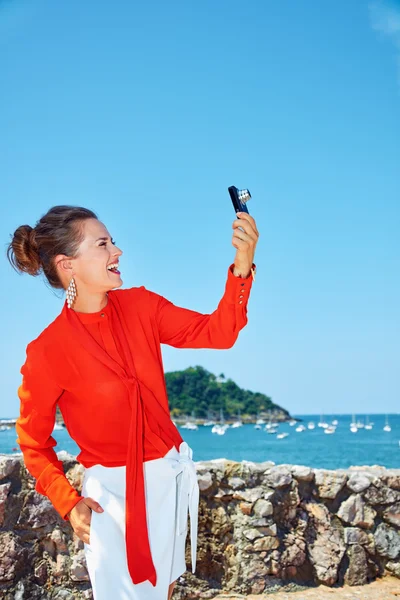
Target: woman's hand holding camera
x,y
80,517
245,242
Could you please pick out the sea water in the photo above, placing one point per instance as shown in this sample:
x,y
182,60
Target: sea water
x,y
311,447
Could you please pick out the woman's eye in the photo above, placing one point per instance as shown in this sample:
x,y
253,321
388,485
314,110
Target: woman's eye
x,y
105,243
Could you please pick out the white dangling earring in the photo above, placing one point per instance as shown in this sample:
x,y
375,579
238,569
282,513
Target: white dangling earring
x,y
71,293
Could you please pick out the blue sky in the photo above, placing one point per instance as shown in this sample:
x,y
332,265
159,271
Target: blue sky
x,y
147,112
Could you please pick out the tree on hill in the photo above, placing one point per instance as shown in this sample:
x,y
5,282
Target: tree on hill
x,y
196,390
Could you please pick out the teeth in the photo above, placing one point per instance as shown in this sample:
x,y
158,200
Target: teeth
x,y
113,266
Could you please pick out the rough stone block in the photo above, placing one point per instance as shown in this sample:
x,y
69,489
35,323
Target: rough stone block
x,y
381,494
78,569
356,573
205,481
387,541
353,536
236,483
11,556
10,466
329,483
302,473
263,508
4,491
392,515
266,543
252,534
277,477
355,511
359,481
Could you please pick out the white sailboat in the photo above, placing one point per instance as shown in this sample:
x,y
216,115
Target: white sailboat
x,y
221,427
271,427
260,421
300,428
330,429
190,424
281,436
311,425
322,423
387,426
209,422
353,425
368,424
272,430
237,423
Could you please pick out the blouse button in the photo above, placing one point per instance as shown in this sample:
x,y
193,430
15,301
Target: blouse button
x,y
240,301
240,296
102,315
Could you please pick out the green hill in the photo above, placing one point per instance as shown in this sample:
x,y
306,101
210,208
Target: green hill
x,y
196,391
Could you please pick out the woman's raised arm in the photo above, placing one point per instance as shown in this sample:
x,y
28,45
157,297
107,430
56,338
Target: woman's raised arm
x,y
184,328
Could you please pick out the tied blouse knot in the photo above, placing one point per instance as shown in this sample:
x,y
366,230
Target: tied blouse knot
x,y
105,372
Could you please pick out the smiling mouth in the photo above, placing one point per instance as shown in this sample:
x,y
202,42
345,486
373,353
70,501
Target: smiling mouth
x,y
115,271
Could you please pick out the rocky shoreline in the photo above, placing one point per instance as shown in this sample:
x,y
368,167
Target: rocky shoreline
x,y
262,528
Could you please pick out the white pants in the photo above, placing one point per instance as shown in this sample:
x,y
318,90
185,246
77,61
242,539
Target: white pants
x,y
171,489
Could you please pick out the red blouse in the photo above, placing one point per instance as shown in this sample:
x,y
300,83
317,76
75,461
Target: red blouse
x,y
105,372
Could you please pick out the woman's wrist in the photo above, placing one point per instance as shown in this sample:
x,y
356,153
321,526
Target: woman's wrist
x,y
240,273
244,273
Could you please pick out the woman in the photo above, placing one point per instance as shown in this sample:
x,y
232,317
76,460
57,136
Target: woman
x,y
100,362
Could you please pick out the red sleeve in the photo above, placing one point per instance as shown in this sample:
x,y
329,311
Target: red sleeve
x,y
38,395
184,328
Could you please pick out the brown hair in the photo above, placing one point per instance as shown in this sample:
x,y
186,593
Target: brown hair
x,y
59,231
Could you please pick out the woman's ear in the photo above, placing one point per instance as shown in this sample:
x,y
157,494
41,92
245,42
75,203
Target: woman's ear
x,y
64,267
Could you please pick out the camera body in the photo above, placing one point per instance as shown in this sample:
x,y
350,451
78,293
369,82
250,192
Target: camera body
x,y
239,199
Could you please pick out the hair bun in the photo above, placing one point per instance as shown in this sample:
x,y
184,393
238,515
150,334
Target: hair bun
x,y
59,232
24,251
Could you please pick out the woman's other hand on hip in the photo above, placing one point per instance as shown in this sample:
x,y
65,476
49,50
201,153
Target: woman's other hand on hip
x,y
81,515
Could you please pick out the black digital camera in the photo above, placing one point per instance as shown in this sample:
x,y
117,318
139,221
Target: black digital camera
x,y
239,199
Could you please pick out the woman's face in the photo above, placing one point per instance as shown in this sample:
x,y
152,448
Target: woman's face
x,y
96,253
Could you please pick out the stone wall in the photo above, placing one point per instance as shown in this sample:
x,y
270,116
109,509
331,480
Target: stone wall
x,y
261,527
